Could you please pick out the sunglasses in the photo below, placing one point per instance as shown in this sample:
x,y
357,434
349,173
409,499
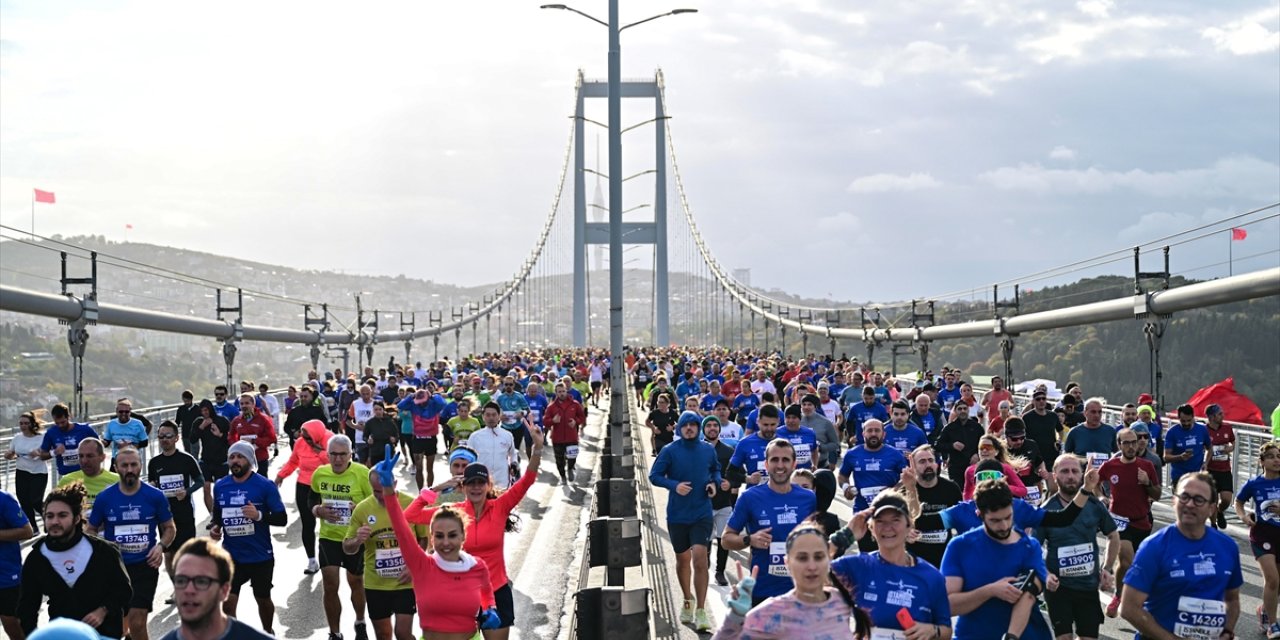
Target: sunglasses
x,y
1017,438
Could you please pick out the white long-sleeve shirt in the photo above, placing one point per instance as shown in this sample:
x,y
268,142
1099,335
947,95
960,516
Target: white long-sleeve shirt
x,y
496,450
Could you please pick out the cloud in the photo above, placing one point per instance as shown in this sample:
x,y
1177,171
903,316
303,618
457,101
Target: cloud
x,y
887,182
1246,36
1241,176
1062,153
1096,8
1134,37
842,221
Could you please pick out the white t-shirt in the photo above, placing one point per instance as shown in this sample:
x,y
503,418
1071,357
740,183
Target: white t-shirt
x,y
24,445
361,412
831,409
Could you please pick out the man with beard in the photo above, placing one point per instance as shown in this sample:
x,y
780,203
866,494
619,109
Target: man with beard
x,y
873,467
388,586
62,441
178,476
959,441
935,494
246,506
768,512
748,462
901,434
254,427
90,582
201,584
1075,575
214,432
1133,483
91,454
136,517
336,488
999,591
304,410
1034,474
724,499
689,469
859,412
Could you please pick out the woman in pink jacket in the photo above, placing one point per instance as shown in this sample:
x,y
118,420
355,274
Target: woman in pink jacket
x,y
308,454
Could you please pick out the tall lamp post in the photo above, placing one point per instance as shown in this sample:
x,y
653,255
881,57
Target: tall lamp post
x,y
618,372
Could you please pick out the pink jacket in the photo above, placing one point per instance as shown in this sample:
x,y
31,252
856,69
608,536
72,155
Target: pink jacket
x,y
1016,487
304,457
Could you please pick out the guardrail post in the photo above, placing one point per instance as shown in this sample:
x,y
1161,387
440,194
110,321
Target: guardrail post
x,y
614,613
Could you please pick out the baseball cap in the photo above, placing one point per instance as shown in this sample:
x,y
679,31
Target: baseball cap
x,y
1144,398
475,471
889,502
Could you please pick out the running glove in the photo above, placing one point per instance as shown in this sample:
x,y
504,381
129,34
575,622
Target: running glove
x,y
488,618
386,468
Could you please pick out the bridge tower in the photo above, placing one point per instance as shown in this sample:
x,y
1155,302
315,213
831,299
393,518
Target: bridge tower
x,y
588,233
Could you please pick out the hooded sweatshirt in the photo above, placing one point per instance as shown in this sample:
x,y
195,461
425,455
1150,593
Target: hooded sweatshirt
x,y
305,459
687,460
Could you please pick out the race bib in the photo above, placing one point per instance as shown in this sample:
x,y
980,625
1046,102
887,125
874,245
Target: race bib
x,y
1220,453
172,484
760,466
934,537
250,438
535,415
878,633
1096,459
803,454
508,417
388,562
1200,619
1076,561
870,493
341,509
236,526
1033,493
133,538
777,555
71,459
1122,522
571,452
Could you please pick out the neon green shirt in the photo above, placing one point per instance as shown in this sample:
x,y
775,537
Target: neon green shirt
x,y
340,492
383,562
462,429
92,486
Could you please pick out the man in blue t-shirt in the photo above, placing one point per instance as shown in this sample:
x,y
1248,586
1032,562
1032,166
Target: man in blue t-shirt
x,y
225,408
860,412
1091,439
708,402
873,467
1185,579
747,466
803,438
246,505
16,528
1185,444
62,442
996,595
763,518
136,517
900,433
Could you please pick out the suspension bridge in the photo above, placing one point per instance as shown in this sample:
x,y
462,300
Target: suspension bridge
x,y
603,535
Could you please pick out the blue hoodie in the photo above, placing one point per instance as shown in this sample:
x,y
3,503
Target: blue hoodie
x,y
687,460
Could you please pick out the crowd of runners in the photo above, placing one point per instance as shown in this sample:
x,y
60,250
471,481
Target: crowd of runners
x,y
967,514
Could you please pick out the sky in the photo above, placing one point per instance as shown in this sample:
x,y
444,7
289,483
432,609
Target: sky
x,y
861,151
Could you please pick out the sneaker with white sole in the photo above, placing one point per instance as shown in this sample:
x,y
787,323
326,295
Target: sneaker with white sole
x,y
701,620
313,567
1273,633
686,612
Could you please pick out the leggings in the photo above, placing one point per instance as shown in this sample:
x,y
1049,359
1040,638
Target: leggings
x,y
30,488
302,497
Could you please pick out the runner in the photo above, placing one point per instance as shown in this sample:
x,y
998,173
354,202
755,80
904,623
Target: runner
x,y
201,566
463,424
425,406
358,414
809,610
90,582
873,468
689,469
336,488
1185,579
900,433
869,408
992,448
14,528
491,516
890,580
1132,483
91,454
935,494
515,408
254,426
566,418
178,476
1032,474
959,440
495,447
246,505
724,499
999,592
469,604
136,517
388,585
766,510
307,408
63,440
802,438
1185,444
307,456
1263,491
1222,442
748,465
214,433
662,422
1071,556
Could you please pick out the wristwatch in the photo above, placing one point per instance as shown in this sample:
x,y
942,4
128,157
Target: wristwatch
x,y
1009,636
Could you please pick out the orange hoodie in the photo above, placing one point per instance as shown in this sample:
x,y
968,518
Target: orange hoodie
x,y
305,458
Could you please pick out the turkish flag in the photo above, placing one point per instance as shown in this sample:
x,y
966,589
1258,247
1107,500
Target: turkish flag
x,y
1236,234
44,196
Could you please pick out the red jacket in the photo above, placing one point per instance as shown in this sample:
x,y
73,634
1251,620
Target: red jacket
x,y
563,418
260,432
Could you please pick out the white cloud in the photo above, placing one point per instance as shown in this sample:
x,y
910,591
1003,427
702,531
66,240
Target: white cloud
x,y
1133,37
1240,176
886,182
1096,8
842,221
1061,152
1246,36
802,64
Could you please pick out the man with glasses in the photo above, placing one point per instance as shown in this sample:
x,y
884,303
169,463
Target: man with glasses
x,y
124,430
1133,482
1186,579
246,505
515,406
223,405
1043,427
336,488
202,584
178,477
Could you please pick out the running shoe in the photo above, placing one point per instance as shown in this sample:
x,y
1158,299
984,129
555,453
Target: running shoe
x,y
335,636
1113,608
686,612
313,567
1264,620
701,621
1222,521
1273,633
361,632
